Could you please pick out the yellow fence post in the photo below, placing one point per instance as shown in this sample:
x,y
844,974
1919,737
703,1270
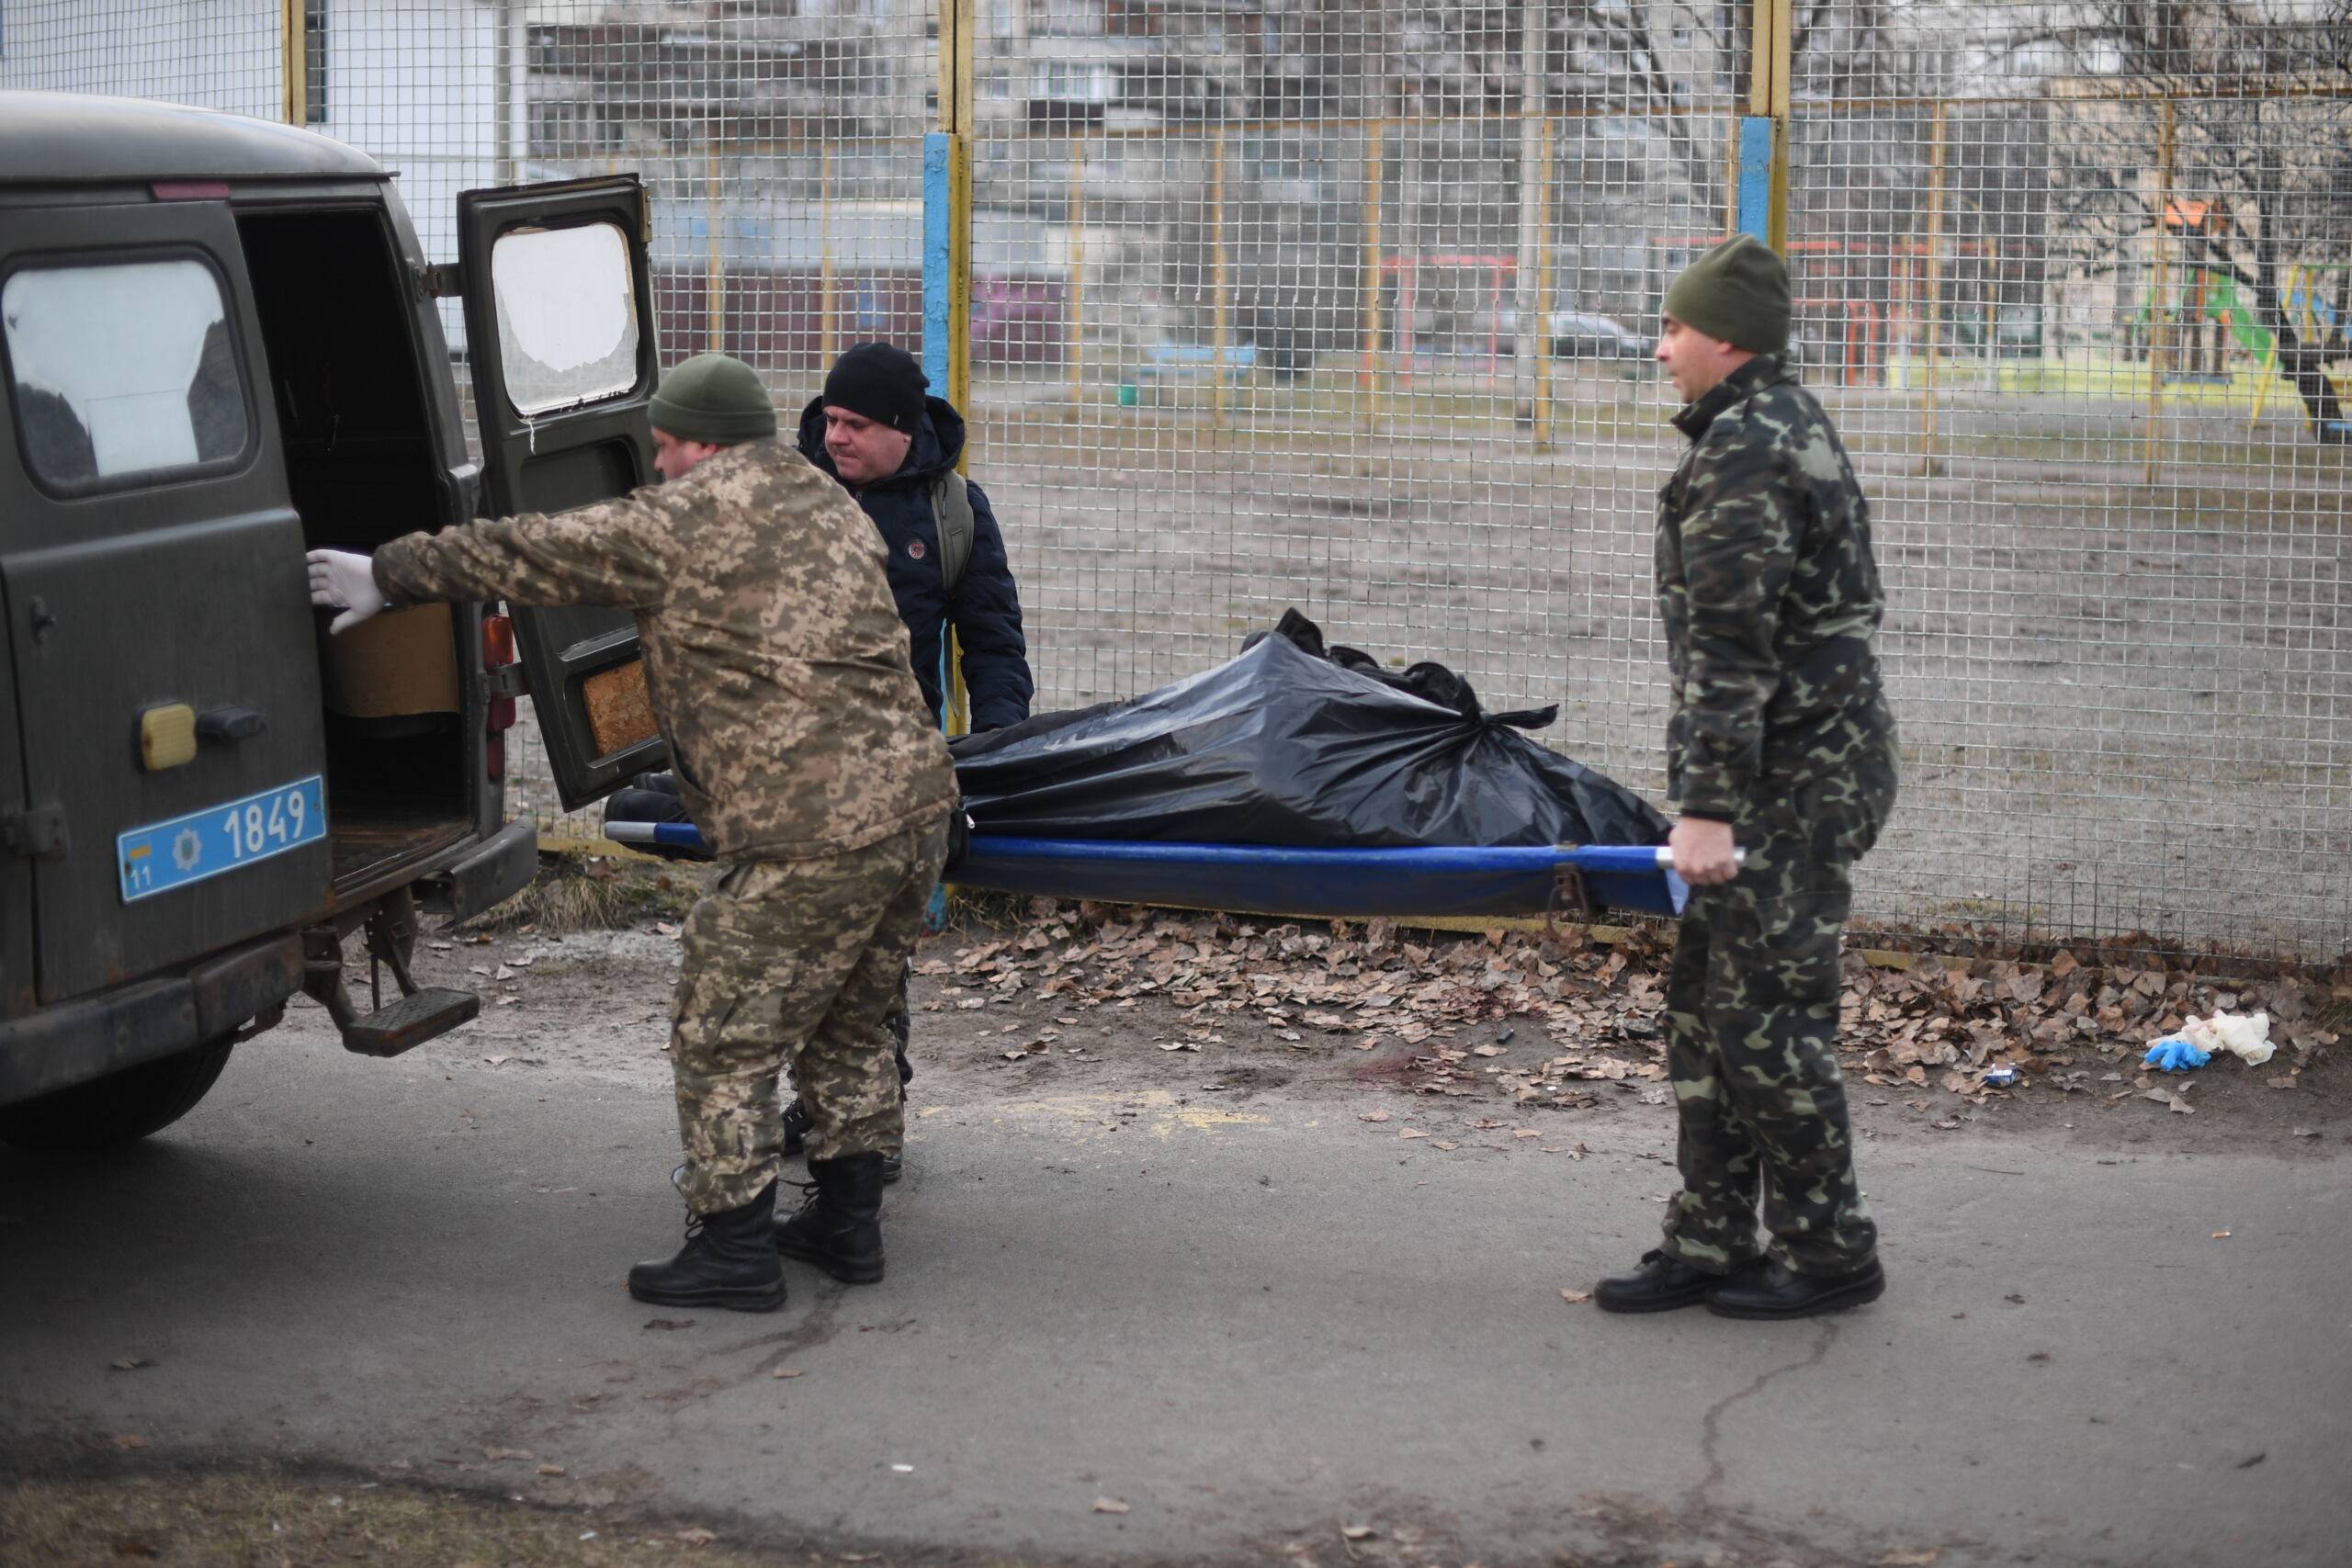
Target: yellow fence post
x,y
948,312
1542,355
295,57
1932,291
1075,348
1368,374
828,285
2158,338
1217,314
714,264
1773,45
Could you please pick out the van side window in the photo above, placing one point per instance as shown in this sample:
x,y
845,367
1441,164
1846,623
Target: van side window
x,y
122,369
567,316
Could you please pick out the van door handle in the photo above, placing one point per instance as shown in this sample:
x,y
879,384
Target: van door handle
x,y
223,725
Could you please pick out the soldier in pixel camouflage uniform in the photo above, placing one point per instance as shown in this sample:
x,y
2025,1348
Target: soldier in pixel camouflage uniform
x,y
1780,742
778,665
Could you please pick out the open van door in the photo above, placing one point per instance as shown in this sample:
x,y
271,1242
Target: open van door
x,y
559,302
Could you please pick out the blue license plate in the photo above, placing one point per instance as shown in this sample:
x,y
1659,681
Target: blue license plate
x,y
220,839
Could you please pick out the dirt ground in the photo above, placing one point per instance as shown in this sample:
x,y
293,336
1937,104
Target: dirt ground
x,y
1488,1080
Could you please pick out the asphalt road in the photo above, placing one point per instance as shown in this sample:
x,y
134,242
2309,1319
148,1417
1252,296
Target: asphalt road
x,y
1252,1322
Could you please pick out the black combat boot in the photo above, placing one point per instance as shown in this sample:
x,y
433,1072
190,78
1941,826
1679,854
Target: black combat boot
x,y
796,1137
1779,1292
1660,1282
727,1261
839,1229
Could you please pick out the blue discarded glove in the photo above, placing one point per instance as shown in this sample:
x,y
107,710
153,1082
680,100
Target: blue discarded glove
x,y
2175,1055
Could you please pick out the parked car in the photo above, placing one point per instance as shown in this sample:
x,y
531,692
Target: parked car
x,y
219,347
1575,334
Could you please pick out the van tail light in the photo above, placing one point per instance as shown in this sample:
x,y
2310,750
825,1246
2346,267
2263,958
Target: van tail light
x,y
498,663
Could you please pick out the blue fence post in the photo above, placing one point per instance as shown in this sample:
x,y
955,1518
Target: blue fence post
x,y
1754,205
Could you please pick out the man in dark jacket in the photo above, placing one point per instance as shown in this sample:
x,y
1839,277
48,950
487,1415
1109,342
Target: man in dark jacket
x,y
875,429
1780,742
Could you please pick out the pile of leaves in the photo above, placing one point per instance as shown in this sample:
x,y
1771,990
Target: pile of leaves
x,y
1570,1016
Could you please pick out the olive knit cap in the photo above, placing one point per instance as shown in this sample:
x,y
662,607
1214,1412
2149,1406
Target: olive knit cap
x,y
1738,292
714,398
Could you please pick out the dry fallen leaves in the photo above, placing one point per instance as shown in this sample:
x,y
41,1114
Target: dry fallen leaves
x,y
786,1373
696,1536
1109,1506
127,1442
1934,1024
1358,1532
1575,1298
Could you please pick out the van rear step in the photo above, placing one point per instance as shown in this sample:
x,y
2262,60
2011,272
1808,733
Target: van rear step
x,y
419,1014
410,1022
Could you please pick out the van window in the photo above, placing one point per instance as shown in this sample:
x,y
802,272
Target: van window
x,y
567,315
122,369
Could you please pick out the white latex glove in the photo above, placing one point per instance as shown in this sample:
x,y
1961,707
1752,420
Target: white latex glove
x,y
339,579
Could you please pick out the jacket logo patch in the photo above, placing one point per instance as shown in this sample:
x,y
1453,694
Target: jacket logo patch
x,y
914,549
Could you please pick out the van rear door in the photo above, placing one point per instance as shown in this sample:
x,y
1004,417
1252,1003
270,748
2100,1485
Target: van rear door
x,y
559,334
159,614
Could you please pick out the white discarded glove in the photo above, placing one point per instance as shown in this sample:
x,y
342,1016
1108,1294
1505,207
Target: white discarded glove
x,y
339,579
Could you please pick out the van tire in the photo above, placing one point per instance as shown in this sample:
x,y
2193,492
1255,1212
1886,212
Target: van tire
x,y
118,1108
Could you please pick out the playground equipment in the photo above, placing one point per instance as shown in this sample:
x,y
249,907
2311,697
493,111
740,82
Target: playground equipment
x,y
2316,322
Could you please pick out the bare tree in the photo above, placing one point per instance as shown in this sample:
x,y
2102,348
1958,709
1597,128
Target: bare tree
x,y
2222,125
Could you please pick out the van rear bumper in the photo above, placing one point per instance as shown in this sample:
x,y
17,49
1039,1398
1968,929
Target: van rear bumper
x,y
75,1042
501,867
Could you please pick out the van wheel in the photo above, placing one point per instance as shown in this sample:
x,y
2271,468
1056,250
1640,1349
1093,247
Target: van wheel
x,y
120,1107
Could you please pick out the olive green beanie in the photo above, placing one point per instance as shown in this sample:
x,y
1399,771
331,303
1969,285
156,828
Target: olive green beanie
x,y
1738,292
714,398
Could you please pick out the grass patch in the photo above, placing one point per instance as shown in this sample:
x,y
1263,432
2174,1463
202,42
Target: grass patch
x,y
581,893
264,1520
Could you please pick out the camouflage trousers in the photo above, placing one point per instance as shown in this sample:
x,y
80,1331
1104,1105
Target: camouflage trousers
x,y
795,964
1752,1003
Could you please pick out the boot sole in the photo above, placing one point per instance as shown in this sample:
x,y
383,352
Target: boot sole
x,y
732,1299
848,1274
1828,1301
1655,1303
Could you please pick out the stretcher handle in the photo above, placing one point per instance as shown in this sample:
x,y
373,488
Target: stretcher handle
x,y
674,835
1627,857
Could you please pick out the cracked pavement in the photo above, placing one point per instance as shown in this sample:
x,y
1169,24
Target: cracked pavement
x,y
1249,1315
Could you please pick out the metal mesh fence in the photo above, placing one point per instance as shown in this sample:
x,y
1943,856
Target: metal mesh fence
x,y
1346,306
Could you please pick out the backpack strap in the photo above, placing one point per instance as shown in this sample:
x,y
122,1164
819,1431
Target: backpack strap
x,y
951,508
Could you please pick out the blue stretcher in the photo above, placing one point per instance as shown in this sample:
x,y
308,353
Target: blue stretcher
x,y
1272,880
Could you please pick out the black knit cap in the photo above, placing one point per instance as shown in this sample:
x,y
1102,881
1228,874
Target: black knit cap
x,y
879,380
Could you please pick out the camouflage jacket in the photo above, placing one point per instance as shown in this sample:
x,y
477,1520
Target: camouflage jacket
x,y
1770,597
773,652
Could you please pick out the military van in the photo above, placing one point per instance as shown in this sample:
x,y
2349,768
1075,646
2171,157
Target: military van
x,y
223,346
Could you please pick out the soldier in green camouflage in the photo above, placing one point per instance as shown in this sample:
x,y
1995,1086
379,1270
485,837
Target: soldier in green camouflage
x,y
778,665
1780,742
